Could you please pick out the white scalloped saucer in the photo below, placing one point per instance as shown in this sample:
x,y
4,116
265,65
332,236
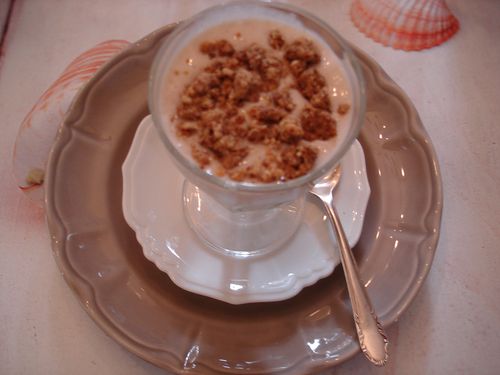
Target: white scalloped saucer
x,y
152,205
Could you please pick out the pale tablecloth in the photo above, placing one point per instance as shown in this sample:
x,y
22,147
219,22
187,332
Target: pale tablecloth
x,y
452,327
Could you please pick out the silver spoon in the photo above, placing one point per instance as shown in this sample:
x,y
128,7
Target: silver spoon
x,y
372,338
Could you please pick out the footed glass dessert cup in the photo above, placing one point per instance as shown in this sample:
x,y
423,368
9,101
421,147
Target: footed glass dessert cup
x,y
245,219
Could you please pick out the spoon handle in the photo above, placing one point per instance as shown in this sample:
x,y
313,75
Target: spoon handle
x,y
372,338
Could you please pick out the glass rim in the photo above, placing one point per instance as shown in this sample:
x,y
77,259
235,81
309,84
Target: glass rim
x,y
357,88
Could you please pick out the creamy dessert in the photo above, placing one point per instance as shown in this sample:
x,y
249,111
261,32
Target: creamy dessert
x,y
258,100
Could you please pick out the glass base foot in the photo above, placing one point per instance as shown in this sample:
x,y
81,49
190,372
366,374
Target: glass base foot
x,y
240,233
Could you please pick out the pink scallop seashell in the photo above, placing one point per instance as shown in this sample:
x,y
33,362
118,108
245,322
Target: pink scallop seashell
x,y
39,128
410,25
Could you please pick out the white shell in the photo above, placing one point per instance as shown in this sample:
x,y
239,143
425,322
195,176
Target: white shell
x,y
410,25
39,128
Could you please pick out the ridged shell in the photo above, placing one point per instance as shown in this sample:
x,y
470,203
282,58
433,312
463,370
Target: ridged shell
x,y
410,25
39,128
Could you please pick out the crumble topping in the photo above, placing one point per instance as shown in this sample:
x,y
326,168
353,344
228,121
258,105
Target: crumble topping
x,y
275,39
218,48
242,102
317,124
343,108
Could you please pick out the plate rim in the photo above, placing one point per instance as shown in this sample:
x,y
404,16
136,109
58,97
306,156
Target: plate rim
x,y
418,131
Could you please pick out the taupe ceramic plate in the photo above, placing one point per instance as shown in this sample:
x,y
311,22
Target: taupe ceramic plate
x,y
143,310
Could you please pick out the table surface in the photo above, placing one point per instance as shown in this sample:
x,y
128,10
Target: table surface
x,y
453,325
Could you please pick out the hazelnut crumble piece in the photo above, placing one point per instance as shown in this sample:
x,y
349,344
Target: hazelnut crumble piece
x,y
303,50
275,39
343,108
317,124
310,82
283,100
219,48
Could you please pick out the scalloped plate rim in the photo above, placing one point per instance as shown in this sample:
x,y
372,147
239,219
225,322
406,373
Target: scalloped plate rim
x,y
85,291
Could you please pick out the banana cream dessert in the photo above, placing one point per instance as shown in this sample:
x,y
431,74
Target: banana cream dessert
x,y
256,100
